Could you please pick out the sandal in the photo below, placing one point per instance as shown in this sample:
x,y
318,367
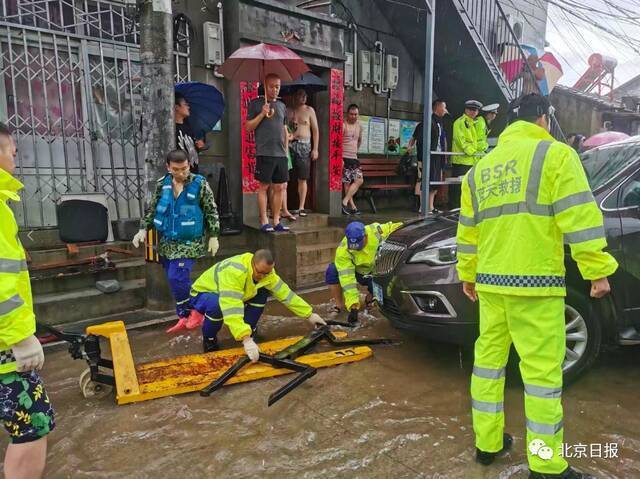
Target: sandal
x,y
289,217
267,228
303,213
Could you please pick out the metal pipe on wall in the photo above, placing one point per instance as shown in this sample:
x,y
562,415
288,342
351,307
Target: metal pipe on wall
x,y
427,93
357,86
221,22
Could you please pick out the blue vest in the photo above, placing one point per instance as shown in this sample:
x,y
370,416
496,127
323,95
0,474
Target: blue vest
x,y
181,218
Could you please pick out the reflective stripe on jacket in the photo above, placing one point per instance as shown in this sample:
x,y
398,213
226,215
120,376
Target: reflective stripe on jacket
x,y
518,205
17,320
349,262
232,280
465,140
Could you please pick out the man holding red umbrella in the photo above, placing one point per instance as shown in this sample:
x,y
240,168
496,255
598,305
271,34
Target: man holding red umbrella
x,y
268,120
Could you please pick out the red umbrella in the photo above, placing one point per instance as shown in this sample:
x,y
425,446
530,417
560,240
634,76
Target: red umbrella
x,y
255,62
604,138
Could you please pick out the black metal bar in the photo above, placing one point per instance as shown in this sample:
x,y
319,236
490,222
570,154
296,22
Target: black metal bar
x,y
291,385
228,374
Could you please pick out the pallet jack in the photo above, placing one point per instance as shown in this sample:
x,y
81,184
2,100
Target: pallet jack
x,y
205,372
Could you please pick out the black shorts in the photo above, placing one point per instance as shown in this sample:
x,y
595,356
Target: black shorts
x,y
272,169
301,152
27,414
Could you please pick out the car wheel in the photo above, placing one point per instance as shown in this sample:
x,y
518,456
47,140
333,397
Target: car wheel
x,y
584,337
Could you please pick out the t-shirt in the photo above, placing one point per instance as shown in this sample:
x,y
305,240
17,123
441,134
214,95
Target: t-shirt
x,y
269,135
350,135
185,141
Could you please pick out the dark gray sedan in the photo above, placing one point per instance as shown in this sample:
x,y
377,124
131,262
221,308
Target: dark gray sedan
x,y
418,289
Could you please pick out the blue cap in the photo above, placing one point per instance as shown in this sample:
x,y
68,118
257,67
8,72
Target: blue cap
x,y
355,235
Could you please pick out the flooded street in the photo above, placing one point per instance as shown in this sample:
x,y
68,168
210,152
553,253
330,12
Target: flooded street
x,y
403,413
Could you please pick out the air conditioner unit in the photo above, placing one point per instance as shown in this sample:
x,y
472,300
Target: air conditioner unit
x,y
391,72
212,44
376,75
364,67
516,22
348,69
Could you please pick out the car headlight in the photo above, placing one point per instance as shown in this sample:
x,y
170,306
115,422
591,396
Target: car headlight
x,y
437,256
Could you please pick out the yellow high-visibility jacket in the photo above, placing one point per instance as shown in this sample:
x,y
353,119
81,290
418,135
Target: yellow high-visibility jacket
x,y
465,140
17,320
482,133
232,280
519,205
349,262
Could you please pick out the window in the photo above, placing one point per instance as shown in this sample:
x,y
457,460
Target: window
x,y
604,164
630,194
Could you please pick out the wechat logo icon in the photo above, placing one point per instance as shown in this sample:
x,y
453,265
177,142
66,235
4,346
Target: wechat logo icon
x,y
537,447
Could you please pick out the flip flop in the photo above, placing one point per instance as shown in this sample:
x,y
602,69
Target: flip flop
x,y
303,213
267,228
290,218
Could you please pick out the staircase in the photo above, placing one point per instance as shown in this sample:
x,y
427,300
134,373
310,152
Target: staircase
x,y
67,294
316,244
497,44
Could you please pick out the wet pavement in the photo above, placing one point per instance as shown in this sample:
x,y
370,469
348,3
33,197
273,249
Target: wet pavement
x,y
405,413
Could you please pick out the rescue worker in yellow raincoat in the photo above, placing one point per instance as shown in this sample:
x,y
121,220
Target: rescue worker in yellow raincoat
x,y
354,260
235,292
518,205
26,412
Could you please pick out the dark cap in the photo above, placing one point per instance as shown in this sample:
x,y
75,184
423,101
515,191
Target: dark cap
x,y
355,235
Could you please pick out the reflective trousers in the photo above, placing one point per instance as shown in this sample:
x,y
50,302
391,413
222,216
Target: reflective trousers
x,y
209,305
536,327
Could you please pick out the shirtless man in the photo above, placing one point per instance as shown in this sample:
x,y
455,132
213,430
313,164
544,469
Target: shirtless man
x,y
303,149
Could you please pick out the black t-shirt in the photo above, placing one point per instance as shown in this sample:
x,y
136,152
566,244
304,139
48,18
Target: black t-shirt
x,y
185,141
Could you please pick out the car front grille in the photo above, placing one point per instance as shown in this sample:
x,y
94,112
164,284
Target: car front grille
x,y
388,257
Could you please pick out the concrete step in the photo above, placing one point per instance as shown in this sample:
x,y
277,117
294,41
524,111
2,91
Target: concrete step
x,y
70,279
310,275
316,253
315,236
61,254
80,304
310,221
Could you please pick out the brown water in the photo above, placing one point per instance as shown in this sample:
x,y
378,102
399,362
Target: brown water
x,y
404,413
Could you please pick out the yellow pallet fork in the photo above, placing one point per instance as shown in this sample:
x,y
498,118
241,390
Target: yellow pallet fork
x,y
184,374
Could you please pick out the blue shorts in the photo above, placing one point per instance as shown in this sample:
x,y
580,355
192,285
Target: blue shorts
x,y
331,277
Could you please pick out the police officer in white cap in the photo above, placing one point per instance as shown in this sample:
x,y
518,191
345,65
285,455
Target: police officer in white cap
x,y
483,124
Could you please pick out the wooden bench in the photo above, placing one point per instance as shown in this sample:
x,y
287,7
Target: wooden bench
x,y
376,174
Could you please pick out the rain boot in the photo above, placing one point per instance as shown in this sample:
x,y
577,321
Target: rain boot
x,y
569,473
195,319
487,458
210,345
181,324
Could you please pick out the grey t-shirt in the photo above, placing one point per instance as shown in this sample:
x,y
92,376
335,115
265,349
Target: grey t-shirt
x,y
270,131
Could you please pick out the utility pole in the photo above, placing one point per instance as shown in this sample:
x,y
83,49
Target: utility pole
x,y
158,125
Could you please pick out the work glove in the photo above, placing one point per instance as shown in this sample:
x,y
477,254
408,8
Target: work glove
x,y
28,354
353,316
251,348
139,238
316,320
214,246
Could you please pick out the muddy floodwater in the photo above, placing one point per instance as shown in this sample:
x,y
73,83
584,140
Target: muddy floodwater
x,y
404,413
